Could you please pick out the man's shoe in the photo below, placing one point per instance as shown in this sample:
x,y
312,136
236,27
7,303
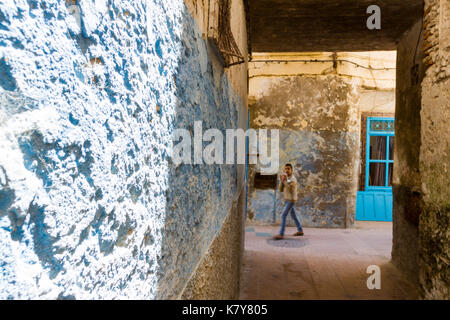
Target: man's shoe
x,y
278,237
299,233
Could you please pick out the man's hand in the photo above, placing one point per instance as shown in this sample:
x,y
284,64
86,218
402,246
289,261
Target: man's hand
x,y
283,176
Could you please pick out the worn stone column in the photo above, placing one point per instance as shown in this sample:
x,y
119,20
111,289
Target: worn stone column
x,y
406,180
434,227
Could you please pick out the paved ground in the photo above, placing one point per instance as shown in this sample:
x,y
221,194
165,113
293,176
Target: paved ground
x,y
323,264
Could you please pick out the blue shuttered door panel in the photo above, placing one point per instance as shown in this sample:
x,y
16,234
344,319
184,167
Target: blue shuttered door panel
x,y
374,206
389,202
359,205
380,207
369,206
375,203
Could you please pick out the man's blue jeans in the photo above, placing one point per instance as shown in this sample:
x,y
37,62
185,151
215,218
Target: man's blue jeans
x,y
289,207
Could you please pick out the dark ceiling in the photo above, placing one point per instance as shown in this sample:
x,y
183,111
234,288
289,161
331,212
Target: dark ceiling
x,y
327,25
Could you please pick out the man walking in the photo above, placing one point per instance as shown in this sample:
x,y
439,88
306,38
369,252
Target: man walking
x,y
288,186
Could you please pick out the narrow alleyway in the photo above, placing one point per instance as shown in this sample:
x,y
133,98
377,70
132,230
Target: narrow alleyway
x,y
323,264
141,144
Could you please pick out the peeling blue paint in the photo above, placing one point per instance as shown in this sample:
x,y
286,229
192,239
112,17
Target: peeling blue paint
x,y
96,179
7,81
158,48
72,120
7,197
43,242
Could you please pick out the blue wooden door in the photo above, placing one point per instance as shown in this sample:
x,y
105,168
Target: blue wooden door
x,y
375,202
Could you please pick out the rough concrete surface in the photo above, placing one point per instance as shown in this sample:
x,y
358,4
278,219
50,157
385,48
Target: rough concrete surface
x,y
91,207
434,226
407,198
217,275
318,119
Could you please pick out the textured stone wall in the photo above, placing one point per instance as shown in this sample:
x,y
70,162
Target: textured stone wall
x,y
203,196
421,172
218,274
407,197
91,207
318,119
434,227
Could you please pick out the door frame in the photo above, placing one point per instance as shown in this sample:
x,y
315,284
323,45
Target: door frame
x,y
374,203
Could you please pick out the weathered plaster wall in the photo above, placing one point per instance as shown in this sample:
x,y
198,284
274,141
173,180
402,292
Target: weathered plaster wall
x,y
406,179
218,274
319,134
372,73
210,219
434,161
91,207
316,99
422,155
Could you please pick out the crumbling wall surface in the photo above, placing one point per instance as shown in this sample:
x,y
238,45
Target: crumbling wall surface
x,y
218,274
434,228
318,119
91,206
406,179
204,222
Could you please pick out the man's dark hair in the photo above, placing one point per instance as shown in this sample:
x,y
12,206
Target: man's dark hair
x,y
289,165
